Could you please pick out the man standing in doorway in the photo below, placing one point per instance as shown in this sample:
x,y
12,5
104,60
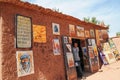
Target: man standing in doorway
x,y
77,60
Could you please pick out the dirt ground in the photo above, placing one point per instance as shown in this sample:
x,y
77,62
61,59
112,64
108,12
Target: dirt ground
x,y
107,72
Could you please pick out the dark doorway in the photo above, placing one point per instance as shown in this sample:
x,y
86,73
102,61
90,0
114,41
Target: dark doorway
x,y
78,41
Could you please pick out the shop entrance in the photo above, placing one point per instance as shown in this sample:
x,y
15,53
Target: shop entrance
x,y
80,44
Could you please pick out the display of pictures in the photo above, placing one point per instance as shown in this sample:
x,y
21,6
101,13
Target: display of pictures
x,y
70,59
89,42
71,30
92,34
39,33
87,34
56,47
70,39
95,50
90,48
65,39
23,32
25,64
69,49
56,28
84,50
91,54
80,31
93,42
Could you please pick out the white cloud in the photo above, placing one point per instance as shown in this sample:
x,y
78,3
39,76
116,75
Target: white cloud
x,y
101,9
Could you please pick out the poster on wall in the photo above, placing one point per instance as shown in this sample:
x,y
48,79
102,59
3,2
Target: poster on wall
x,y
87,34
92,33
70,59
25,64
80,31
69,49
65,39
56,28
23,32
39,33
56,47
71,30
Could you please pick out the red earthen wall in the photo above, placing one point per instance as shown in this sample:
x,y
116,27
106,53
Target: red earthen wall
x,y
46,64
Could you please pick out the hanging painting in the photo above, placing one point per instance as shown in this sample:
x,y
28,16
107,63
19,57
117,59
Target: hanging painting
x,y
25,65
56,28
80,31
70,59
92,34
71,30
56,47
87,34
39,33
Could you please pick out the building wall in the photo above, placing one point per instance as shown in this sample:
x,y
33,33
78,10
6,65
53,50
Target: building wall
x,y
0,44
46,64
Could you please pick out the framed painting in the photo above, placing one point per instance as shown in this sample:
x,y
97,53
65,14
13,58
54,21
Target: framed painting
x,y
80,31
39,34
92,33
56,47
25,63
71,30
56,28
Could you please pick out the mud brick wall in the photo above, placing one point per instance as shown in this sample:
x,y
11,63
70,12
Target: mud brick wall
x,y
47,66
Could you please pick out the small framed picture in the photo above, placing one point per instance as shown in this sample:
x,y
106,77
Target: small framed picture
x,y
65,39
89,42
56,28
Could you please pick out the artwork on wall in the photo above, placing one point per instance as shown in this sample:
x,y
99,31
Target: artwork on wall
x,y
71,30
65,39
25,64
91,54
87,34
23,32
70,59
89,42
92,33
56,28
69,49
39,33
56,47
93,42
80,31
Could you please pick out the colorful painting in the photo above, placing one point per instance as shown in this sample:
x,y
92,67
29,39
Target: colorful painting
x,y
92,34
80,31
69,49
65,39
91,54
87,34
25,64
39,33
72,30
56,28
90,48
70,59
93,42
56,47
89,42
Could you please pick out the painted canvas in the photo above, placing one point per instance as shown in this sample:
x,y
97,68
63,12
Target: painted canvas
x,y
56,28
92,34
56,47
87,33
25,64
69,49
70,59
39,33
71,30
80,31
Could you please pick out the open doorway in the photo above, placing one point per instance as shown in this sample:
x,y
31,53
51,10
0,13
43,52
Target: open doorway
x,y
80,43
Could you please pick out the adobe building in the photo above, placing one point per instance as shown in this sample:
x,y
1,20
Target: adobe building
x,y
35,43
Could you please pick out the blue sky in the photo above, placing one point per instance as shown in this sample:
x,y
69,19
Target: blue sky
x,y
104,10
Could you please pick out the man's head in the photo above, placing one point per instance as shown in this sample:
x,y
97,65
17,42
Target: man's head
x,y
25,61
75,45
